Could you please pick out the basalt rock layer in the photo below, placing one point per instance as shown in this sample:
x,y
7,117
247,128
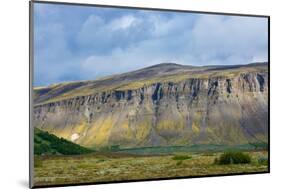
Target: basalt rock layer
x,y
163,105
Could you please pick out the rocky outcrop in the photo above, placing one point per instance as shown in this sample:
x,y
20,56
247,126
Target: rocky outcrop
x,y
225,109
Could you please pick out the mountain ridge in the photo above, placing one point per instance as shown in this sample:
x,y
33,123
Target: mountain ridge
x,y
214,105
156,65
158,70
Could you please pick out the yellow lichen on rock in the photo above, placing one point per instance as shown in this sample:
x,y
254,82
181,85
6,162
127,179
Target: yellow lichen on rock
x,y
99,132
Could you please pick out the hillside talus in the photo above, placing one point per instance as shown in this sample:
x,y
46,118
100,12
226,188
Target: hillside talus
x,y
216,109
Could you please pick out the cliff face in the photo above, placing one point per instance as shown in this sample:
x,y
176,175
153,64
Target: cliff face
x,y
214,106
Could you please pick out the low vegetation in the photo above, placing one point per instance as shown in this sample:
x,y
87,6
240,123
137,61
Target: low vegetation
x,y
181,157
206,149
104,167
112,148
233,158
263,161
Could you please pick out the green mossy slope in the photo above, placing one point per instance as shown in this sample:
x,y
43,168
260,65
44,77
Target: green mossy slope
x,y
46,143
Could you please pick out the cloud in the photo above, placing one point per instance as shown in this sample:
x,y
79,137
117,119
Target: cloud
x,y
226,39
101,36
90,44
211,40
124,23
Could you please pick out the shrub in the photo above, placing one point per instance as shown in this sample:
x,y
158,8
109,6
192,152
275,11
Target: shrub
x,y
179,163
181,157
216,161
263,161
233,158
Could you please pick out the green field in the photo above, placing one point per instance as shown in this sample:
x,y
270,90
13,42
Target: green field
x,y
116,166
58,161
195,148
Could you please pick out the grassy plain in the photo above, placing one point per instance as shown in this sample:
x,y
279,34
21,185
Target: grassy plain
x,y
108,166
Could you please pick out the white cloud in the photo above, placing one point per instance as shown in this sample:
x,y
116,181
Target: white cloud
x,y
124,22
212,40
229,39
107,45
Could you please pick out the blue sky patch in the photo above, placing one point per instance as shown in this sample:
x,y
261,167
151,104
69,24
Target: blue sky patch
x,y
84,43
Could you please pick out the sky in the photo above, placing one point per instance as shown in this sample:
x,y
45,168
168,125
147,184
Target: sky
x,y
85,43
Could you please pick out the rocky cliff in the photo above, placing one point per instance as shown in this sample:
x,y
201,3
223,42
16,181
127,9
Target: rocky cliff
x,y
166,104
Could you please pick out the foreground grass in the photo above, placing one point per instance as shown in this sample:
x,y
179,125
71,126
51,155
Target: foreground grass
x,y
51,170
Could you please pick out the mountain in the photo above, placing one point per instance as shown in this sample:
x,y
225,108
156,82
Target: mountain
x,y
45,143
162,105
